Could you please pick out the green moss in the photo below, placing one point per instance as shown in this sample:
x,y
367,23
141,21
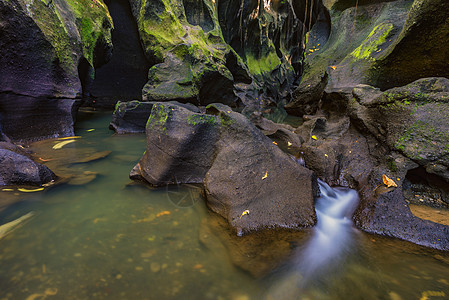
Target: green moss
x,y
264,64
421,137
158,117
375,39
201,119
225,120
392,165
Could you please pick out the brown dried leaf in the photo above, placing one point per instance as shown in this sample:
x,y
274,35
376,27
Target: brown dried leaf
x,y
388,182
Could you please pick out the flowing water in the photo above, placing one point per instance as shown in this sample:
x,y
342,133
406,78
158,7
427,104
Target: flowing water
x,y
103,236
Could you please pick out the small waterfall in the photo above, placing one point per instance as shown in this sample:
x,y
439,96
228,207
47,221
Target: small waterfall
x,y
327,249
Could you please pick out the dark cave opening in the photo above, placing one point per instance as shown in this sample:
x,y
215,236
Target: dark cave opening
x,y
124,76
423,188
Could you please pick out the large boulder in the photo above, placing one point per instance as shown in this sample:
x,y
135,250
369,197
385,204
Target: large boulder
x,y
18,169
132,116
251,174
48,52
412,120
180,146
378,43
381,138
247,179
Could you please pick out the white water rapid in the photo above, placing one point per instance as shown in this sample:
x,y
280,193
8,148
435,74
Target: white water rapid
x,y
329,246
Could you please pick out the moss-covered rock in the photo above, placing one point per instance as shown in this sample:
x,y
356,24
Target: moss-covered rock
x,y
183,41
49,49
412,120
379,43
209,51
44,42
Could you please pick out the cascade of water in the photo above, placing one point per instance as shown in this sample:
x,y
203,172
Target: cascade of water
x,y
331,242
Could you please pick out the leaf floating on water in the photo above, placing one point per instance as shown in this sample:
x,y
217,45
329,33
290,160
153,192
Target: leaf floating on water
x,y
265,176
69,137
30,191
313,137
62,144
246,212
89,130
426,294
163,213
388,182
8,227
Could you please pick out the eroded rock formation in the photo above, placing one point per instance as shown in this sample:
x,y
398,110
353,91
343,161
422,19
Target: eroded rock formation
x,y
48,52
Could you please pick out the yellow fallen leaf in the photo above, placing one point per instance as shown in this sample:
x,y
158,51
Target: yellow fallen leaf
x,y
89,130
163,213
62,144
313,137
246,212
30,191
333,67
70,137
289,143
265,176
388,182
326,155
275,143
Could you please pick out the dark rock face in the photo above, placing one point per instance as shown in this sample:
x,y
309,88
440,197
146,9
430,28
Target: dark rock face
x,y
180,146
376,139
385,52
48,50
132,116
17,169
26,118
412,120
189,59
242,169
124,76
223,51
250,173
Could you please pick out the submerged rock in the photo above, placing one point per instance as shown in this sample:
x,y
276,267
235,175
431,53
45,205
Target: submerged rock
x,y
18,169
244,173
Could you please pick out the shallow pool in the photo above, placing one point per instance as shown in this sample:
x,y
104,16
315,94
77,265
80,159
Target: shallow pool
x,y
102,236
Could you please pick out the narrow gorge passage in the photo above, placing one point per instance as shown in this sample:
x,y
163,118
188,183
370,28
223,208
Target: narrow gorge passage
x,y
123,77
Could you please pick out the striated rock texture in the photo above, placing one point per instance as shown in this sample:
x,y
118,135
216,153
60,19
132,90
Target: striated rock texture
x,y
379,43
242,170
183,41
48,50
224,51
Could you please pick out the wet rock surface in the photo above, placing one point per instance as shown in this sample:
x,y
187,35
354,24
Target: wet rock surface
x,y
19,169
48,54
242,170
385,52
361,134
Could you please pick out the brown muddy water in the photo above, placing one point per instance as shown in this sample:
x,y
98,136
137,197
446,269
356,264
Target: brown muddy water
x,y
99,235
